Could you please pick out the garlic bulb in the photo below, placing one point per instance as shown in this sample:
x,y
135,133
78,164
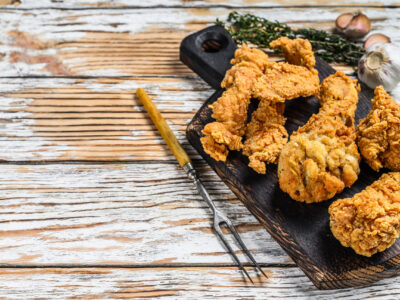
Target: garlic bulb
x,y
354,26
380,65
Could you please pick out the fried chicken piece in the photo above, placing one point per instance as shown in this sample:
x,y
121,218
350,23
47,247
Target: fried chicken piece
x,y
321,158
230,110
266,135
378,135
369,222
297,51
283,81
253,76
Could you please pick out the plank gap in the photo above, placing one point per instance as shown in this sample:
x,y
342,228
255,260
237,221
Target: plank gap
x,y
144,266
93,162
226,6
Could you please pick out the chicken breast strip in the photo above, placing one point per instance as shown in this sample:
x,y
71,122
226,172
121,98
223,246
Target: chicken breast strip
x,y
297,51
230,110
282,81
321,158
369,222
266,134
378,135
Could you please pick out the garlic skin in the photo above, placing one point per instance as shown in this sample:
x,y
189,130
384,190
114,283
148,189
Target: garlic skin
x,y
380,65
376,38
354,26
343,21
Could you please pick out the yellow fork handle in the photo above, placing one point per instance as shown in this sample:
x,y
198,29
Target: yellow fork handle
x,y
162,126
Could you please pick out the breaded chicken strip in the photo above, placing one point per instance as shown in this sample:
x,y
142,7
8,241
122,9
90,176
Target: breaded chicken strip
x,y
265,134
369,222
321,158
297,51
252,76
230,110
378,135
283,81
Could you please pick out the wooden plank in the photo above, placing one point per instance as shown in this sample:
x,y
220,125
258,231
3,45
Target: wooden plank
x,y
80,4
93,119
118,214
97,42
180,283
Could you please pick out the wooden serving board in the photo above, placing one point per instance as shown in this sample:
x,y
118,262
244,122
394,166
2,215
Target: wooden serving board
x,y
302,230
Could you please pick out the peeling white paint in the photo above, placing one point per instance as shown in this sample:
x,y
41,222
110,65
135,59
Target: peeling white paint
x,y
19,140
105,4
61,26
123,200
128,213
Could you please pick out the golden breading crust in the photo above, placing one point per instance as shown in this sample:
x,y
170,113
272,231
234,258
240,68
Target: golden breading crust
x,y
369,222
283,81
378,135
252,76
265,135
230,110
297,51
321,158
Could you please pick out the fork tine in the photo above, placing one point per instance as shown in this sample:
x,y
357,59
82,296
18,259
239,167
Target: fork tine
x,y
237,236
219,232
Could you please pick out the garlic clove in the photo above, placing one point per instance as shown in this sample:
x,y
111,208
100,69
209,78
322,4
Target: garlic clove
x,y
353,26
343,21
376,38
380,65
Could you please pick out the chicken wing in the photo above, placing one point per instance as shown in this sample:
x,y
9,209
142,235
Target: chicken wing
x,y
265,134
230,110
321,158
369,222
378,135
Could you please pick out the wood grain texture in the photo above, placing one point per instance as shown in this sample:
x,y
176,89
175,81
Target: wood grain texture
x,y
132,42
41,116
175,283
97,213
119,214
93,119
82,4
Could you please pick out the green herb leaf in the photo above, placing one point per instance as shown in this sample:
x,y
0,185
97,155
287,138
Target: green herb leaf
x,y
259,31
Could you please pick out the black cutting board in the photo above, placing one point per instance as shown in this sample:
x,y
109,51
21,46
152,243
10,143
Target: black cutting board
x,y
301,229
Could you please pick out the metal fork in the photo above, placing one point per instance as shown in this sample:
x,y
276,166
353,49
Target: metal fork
x,y
185,162
220,219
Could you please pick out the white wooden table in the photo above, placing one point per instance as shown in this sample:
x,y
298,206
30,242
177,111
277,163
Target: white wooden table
x,y
93,205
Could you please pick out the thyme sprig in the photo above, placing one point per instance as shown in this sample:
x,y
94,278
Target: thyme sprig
x,y
259,31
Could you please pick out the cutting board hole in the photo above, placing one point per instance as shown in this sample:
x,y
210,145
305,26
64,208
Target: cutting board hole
x,y
211,46
212,42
